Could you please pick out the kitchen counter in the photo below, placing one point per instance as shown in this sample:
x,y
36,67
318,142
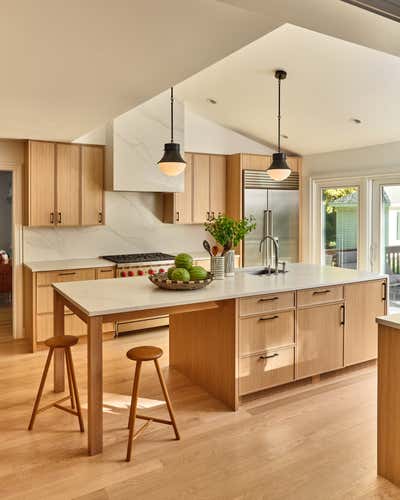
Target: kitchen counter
x,y
63,265
390,320
96,298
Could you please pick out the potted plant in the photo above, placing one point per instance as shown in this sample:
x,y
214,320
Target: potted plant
x,y
228,233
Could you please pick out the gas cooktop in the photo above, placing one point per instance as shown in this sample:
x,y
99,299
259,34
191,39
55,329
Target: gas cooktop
x,y
134,258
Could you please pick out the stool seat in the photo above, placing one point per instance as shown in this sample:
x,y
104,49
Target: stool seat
x,y
144,353
62,341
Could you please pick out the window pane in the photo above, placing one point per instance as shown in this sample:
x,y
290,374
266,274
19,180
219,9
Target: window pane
x,y
340,208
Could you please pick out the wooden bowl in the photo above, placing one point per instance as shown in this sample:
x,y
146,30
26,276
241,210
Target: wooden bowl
x,y
162,281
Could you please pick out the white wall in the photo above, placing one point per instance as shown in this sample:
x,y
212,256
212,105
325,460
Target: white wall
x,y
369,161
134,220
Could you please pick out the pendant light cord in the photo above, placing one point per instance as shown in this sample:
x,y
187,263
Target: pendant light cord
x,y
279,115
172,114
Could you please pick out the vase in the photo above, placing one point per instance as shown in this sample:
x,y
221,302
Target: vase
x,y
230,263
218,267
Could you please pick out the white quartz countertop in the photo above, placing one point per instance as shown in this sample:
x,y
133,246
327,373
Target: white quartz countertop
x,y
391,320
100,297
62,265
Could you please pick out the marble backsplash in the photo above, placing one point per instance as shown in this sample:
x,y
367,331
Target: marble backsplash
x,y
133,224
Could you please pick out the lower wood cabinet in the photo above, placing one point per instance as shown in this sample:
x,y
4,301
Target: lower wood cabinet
x,y
265,370
319,344
364,302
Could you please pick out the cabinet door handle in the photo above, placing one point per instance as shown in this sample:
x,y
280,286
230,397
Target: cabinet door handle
x,y
384,291
177,216
59,218
267,319
208,215
320,292
268,356
342,314
213,215
51,217
268,299
67,274
100,219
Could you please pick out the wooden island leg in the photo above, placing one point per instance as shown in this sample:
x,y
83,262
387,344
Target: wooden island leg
x,y
59,325
95,385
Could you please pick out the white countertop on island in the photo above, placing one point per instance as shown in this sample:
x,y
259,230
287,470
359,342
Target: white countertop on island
x,y
391,320
101,297
63,265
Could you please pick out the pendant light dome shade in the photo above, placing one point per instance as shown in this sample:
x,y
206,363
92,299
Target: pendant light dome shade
x,y
172,163
279,170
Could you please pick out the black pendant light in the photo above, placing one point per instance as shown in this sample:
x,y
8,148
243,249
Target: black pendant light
x,y
172,163
279,169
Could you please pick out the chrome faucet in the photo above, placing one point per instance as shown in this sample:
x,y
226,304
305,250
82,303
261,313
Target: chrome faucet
x,y
276,251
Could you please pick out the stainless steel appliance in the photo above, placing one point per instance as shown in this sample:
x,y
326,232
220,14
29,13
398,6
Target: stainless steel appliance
x,y
275,206
140,265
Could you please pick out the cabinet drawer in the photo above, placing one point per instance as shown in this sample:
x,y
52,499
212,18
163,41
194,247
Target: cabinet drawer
x,y
266,303
275,367
105,273
47,278
263,332
319,295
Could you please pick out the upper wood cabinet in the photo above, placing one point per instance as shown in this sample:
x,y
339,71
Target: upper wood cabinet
x,y
68,184
63,184
40,184
204,196
92,185
178,206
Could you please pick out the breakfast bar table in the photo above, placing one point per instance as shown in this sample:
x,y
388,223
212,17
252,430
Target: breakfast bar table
x,y
204,324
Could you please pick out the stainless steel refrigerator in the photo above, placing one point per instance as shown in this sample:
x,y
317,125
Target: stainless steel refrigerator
x,y
275,206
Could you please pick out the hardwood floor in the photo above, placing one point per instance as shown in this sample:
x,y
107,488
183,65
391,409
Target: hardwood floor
x,y
316,441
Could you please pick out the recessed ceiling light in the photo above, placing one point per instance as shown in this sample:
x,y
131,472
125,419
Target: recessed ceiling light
x,y
284,136
211,101
355,120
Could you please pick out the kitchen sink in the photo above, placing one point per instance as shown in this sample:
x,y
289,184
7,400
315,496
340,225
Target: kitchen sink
x,y
264,271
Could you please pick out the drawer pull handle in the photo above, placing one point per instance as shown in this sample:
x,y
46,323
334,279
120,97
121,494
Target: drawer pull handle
x,y
320,292
266,319
268,356
268,300
106,270
66,274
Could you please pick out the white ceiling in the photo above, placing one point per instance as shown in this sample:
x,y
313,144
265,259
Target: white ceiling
x,y
329,82
69,66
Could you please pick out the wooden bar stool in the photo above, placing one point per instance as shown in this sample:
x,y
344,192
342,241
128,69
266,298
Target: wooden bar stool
x,y
140,354
61,342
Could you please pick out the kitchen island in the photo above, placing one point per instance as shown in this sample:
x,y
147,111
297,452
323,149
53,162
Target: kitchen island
x,y
239,335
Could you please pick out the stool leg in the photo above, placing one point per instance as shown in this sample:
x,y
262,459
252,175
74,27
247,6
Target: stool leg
x,y
167,400
71,389
75,387
41,387
133,408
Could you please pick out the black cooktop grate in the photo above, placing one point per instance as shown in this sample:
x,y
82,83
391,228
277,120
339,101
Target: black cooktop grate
x,y
139,257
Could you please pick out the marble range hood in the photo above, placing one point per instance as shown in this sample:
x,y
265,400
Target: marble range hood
x,y
135,143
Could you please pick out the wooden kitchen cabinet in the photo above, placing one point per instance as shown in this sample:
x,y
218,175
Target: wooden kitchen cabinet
x,y
178,206
364,302
217,185
201,188
68,184
319,343
39,184
63,184
92,185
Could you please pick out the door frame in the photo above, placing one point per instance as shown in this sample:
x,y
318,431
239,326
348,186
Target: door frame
x,y
17,257
364,210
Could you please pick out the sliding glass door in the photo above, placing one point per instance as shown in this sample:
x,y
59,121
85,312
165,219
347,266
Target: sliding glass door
x,y
386,237
339,226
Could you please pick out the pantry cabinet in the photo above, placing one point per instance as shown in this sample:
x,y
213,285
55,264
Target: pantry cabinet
x,y
63,184
204,196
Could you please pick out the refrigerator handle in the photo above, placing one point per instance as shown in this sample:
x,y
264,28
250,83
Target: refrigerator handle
x,y
265,232
271,233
